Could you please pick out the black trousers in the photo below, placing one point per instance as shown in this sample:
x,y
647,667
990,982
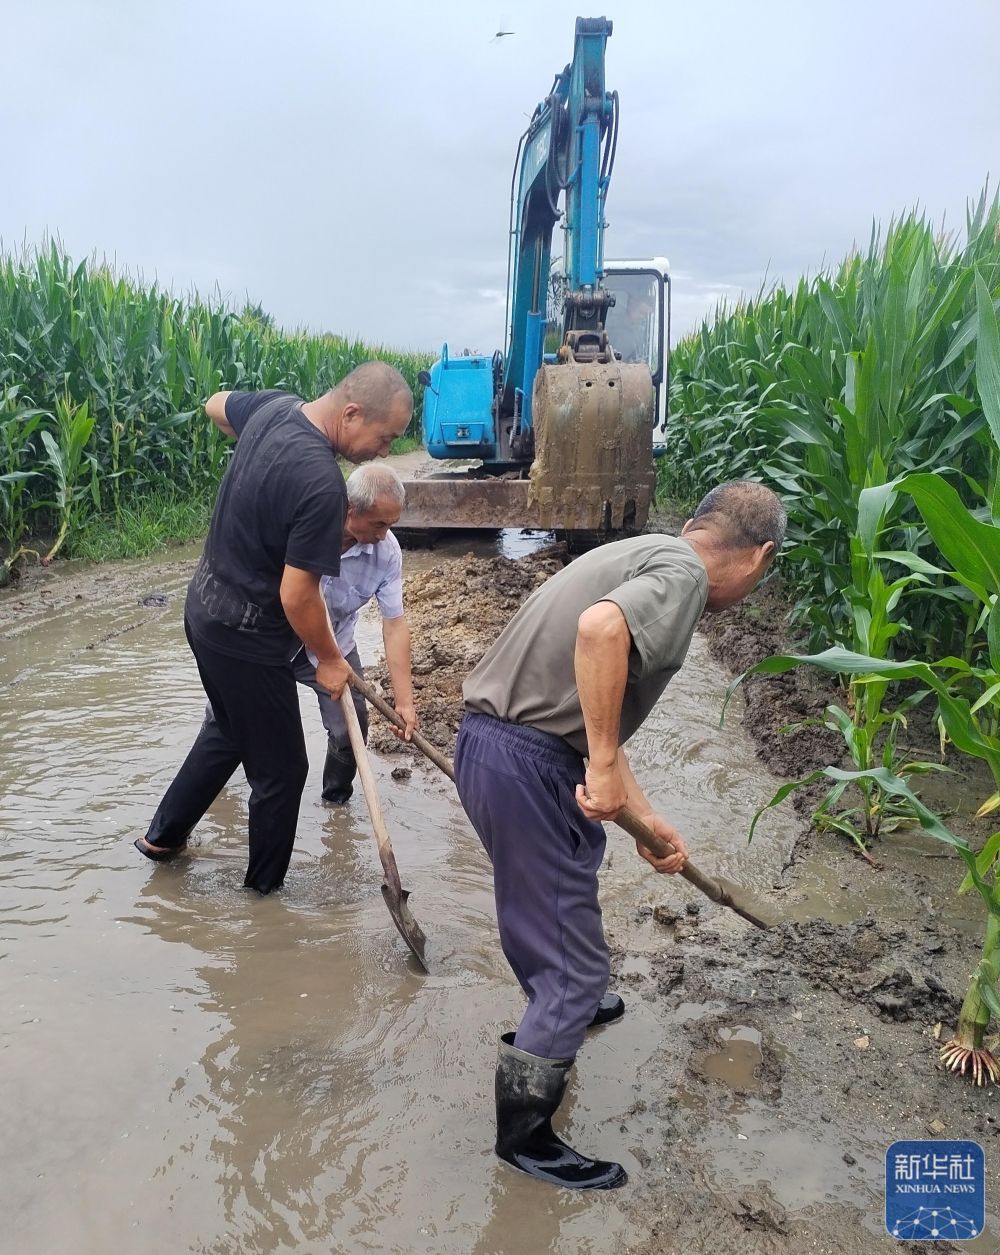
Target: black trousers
x,y
257,723
340,766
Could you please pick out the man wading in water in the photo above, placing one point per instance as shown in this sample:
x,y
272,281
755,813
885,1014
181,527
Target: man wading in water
x,y
573,675
277,529
371,567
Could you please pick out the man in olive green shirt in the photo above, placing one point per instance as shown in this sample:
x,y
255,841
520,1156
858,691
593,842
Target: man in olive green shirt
x,y
575,673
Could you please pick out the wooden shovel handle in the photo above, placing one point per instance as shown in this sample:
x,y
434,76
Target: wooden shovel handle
x,y
641,831
382,838
718,891
384,709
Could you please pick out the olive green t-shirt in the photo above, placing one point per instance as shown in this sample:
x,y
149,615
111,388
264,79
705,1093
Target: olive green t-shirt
x,y
527,676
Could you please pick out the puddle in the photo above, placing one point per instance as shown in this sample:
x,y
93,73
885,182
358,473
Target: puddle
x,y
738,1064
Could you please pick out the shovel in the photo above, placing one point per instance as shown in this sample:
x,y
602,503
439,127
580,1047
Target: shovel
x,y
720,890
393,892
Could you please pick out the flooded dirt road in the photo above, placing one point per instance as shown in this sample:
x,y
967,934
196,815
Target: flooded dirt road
x,y
185,1066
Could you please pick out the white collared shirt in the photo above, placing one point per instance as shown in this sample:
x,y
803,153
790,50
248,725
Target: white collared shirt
x,y
366,571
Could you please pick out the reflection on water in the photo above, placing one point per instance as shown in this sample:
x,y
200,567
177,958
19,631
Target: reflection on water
x,y
200,1069
516,542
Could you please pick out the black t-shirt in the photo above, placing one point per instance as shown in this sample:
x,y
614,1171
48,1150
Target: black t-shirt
x,y
282,501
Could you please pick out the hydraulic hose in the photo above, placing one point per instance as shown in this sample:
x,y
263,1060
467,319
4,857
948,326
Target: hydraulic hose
x,y
510,237
611,141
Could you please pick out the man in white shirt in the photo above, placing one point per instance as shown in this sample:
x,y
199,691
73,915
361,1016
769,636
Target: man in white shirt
x,y
371,565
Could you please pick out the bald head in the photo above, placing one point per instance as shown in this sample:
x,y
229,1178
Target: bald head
x,y
376,388
365,412
742,515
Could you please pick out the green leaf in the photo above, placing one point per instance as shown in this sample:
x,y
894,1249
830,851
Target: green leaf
x,y
895,787
839,823
988,993
872,504
993,635
984,861
988,356
911,561
986,697
780,796
972,548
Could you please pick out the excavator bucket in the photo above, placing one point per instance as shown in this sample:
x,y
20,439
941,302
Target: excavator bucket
x,y
593,466
593,469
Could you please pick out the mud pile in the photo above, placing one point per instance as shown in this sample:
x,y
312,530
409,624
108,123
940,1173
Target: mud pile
x,y
456,610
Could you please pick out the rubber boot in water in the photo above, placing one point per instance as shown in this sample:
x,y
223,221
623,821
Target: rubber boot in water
x,y
529,1091
339,771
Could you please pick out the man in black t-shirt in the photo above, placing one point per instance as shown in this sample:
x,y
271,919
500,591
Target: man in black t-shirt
x,y
277,528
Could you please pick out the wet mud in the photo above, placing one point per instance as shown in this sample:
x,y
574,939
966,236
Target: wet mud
x,y
456,609
186,1066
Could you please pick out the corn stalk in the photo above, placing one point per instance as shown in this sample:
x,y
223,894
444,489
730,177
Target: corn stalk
x,y
968,692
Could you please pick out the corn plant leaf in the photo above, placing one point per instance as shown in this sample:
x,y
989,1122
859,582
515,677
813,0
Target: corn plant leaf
x,y
988,356
872,504
891,785
988,806
911,561
955,711
972,548
984,700
895,787
988,993
789,787
984,860
993,634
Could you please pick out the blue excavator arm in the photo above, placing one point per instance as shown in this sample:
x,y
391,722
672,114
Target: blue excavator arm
x,y
561,153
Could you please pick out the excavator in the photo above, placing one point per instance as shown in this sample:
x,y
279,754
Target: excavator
x,y
558,431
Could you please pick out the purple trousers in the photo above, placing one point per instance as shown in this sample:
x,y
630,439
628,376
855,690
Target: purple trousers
x,y
518,787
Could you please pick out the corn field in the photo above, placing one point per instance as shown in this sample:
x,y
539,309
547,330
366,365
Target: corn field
x,y
102,381
841,382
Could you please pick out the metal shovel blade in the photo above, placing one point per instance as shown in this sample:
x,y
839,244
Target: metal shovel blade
x,y
407,926
392,891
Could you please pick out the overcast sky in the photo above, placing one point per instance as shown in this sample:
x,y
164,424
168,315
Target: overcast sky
x,y
348,165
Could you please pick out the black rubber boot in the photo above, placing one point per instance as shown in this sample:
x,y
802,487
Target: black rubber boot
x,y
609,1009
339,771
529,1091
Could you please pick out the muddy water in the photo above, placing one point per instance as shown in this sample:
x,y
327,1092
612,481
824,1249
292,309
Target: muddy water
x,y
187,1067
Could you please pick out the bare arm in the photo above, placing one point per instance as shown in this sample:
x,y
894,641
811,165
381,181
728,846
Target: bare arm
x,y
215,408
305,610
640,806
603,642
396,637
638,803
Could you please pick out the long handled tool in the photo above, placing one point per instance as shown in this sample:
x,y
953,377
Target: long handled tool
x,y
393,892
719,890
